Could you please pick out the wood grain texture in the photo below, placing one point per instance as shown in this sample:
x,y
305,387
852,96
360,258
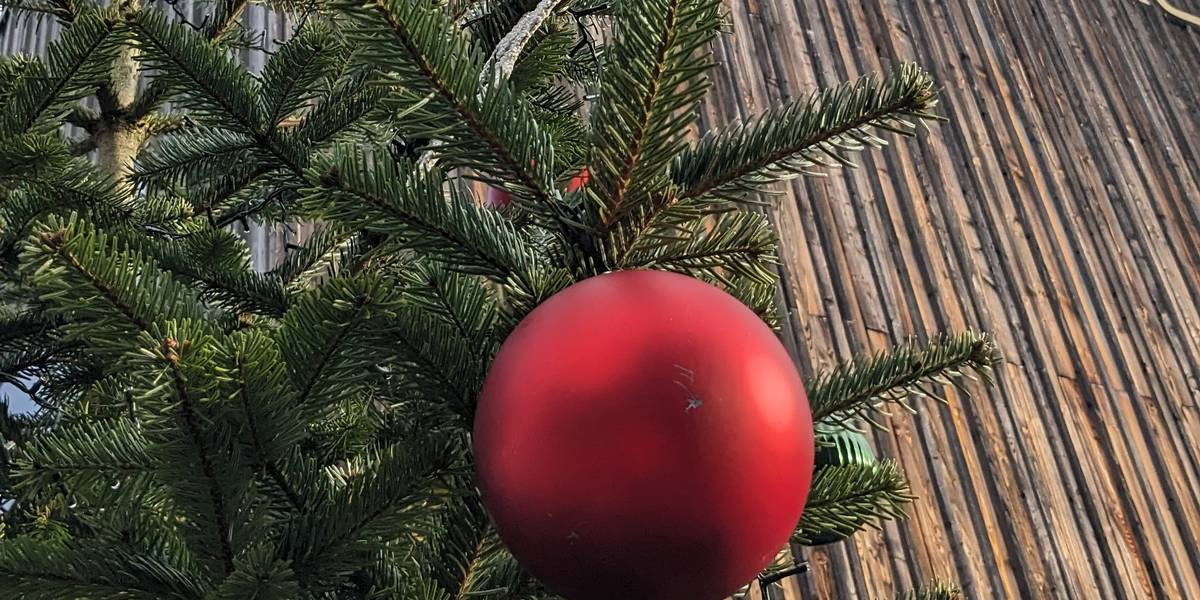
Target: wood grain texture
x,y
1058,208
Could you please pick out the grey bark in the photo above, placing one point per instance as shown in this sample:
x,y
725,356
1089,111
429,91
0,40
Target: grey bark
x,y
118,138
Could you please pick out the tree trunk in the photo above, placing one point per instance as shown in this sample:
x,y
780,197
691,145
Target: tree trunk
x,y
117,138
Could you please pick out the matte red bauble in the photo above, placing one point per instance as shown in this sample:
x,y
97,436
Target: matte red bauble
x,y
495,197
642,435
578,181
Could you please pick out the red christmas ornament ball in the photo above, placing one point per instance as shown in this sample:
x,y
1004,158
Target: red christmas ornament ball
x,y
643,435
495,197
578,181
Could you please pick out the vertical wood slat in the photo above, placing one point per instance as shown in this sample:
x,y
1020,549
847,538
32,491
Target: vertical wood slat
x,y
1059,209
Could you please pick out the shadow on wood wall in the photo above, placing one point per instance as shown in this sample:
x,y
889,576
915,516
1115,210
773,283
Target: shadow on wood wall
x,y
1057,208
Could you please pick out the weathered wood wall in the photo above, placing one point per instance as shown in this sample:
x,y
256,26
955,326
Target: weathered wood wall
x,y
1058,209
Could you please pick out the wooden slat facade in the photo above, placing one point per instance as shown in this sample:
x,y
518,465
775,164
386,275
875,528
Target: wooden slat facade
x,y
1058,208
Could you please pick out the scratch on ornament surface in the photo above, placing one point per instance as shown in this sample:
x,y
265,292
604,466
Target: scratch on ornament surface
x,y
693,400
686,372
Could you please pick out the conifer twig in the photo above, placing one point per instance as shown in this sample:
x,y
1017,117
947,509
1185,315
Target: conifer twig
x,y
856,388
846,498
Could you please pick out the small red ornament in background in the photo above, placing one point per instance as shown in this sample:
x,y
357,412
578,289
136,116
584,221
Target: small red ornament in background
x,y
643,435
494,197
577,182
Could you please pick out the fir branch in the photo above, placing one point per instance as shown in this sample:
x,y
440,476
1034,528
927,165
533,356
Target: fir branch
x,y
521,297
732,245
856,388
254,372
24,208
331,339
463,557
86,569
376,193
192,424
435,363
663,220
321,257
650,90
817,131
160,89
436,74
347,101
317,370
167,214
383,495
75,184
544,59
385,571
172,353
105,291
84,455
207,82
458,300
12,68
63,10
24,329
76,62
38,176
558,110
16,365
472,567
38,365
491,569
28,155
290,77
218,261
198,154
844,499
758,296
244,193
259,576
